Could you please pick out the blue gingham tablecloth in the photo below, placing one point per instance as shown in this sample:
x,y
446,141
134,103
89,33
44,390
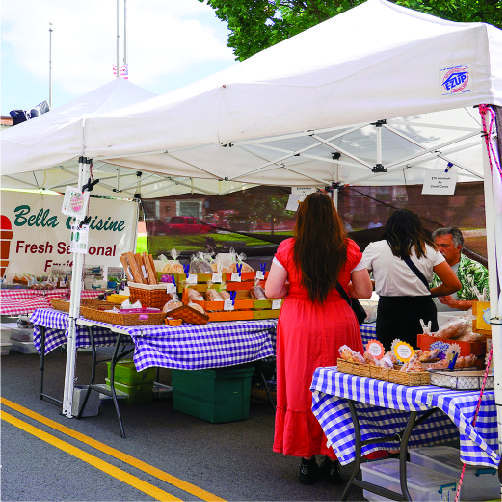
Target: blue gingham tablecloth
x,y
189,347
56,324
368,332
383,409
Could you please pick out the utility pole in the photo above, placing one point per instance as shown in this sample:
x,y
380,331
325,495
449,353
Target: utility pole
x,y
50,65
118,38
125,43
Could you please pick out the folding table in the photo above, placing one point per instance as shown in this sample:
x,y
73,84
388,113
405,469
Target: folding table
x,y
360,415
188,347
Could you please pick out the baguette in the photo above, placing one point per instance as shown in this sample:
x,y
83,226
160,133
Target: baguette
x,y
151,277
136,271
127,268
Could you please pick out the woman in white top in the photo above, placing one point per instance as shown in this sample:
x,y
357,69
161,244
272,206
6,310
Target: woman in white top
x,y
404,298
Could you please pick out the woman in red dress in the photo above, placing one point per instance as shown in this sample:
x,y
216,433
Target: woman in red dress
x,y
314,322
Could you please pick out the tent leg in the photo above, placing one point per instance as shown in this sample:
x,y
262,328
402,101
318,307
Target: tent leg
x,y
74,310
493,205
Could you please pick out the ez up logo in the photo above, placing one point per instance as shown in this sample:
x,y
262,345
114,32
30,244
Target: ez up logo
x,y
455,80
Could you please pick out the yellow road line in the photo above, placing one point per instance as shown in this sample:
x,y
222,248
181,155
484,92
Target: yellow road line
x,y
106,467
129,459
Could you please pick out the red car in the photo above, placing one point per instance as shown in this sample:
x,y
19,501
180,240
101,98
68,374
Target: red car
x,y
181,225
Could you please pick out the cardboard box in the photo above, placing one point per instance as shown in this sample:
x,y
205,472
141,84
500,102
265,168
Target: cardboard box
x,y
214,395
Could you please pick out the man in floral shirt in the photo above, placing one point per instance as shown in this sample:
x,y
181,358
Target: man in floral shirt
x,y
450,242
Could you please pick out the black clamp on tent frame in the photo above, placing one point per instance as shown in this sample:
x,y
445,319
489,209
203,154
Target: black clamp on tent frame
x,y
333,187
89,186
379,168
379,123
85,221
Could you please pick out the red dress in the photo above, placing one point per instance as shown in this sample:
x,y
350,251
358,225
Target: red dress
x,y
308,336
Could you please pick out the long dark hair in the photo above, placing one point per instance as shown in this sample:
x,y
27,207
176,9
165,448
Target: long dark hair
x,y
320,246
404,232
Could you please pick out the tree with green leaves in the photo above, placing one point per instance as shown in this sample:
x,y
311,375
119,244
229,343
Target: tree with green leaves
x,y
258,24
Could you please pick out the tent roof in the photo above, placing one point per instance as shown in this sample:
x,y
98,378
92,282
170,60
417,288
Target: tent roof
x,y
306,111
278,117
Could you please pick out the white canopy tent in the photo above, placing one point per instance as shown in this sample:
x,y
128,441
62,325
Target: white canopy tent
x,y
374,96
43,153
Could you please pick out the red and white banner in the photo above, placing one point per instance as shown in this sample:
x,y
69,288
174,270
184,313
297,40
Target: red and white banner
x,y
35,235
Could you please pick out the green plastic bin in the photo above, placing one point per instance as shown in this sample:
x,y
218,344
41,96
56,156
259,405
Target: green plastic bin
x,y
216,395
125,372
136,393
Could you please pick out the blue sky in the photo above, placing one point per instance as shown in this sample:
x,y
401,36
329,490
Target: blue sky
x,y
170,43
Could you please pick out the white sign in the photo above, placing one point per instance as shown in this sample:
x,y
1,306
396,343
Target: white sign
x,y
41,234
75,203
438,182
79,239
192,279
302,190
228,305
235,277
294,202
217,277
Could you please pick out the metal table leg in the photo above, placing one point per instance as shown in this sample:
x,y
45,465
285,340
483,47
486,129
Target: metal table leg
x,y
42,367
97,388
403,438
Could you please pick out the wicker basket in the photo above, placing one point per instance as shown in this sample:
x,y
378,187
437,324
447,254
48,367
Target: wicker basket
x,y
143,317
352,368
149,295
189,315
64,305
412,379
379,373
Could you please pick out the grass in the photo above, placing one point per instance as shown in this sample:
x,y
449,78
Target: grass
x,y
163,244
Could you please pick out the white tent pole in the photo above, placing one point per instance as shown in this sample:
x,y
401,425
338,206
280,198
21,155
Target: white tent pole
x,y
74,309
492,265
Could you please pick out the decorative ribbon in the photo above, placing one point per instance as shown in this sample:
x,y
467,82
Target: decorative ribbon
x,y
476,416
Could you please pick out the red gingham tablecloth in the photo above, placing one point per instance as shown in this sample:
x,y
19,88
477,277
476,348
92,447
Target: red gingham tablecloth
x,y
26,301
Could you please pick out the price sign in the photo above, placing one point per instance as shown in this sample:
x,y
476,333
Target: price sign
x,y
276,304
403,351
235,277
79,239
170,288
228,305
375,348
217,277
259,275
192,279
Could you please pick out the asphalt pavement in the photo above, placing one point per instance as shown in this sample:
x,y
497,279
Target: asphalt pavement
x,y
166,455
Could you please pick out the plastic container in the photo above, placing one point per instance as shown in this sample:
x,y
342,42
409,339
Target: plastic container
x,y
20,334
92,405
480,483
216,395
446,317
125,372
24,347
423,484
136,393
5,348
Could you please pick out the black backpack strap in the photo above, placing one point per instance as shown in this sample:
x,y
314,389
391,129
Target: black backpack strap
x,y
417,272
